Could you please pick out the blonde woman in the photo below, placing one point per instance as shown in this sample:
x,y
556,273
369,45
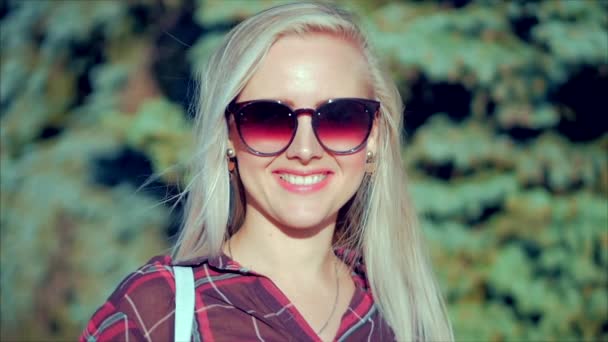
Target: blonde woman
x,y
297,222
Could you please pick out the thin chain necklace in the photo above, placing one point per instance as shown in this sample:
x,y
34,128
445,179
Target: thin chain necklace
x,y
333,309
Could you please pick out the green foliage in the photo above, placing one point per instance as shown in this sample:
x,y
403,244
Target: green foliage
x,y
534,262
160,129
107,82
575,31
443,43
54,218
218,12
468,146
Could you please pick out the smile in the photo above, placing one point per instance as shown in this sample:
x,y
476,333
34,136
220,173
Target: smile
x,y
303,180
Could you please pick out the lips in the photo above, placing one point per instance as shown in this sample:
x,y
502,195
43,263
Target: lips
x,y
303,181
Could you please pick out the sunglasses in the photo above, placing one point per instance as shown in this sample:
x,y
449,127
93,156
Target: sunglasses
x,y
268,127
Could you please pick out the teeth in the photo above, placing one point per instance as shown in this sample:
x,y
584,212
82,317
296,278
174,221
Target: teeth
x,y
303,180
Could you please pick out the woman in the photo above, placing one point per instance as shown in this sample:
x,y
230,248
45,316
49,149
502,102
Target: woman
x,y
297,223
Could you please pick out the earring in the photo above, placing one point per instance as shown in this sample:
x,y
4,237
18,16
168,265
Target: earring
x,y
370,162
231,159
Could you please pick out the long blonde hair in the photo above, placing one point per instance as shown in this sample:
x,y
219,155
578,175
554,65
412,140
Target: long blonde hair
x,y
379,222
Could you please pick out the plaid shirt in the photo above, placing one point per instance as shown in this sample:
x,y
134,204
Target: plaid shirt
x,y
232,304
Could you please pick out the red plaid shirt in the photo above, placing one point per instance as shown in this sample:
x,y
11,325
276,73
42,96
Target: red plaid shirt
x,y
232,304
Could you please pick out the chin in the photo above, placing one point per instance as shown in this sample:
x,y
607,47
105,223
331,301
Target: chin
x,y
304,221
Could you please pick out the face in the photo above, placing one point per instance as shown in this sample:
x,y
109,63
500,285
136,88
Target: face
x,y
306,184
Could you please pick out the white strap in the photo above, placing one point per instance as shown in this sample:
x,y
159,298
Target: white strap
x,y
184,303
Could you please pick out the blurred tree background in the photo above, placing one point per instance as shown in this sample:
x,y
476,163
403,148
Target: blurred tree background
x,y
506,149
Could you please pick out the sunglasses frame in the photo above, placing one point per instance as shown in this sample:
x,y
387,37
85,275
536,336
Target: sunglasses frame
x,y
371,108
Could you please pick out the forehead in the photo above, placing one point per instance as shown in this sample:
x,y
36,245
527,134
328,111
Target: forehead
x,y
310,68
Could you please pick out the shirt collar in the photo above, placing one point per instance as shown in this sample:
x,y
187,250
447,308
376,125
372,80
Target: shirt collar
x,y
223,262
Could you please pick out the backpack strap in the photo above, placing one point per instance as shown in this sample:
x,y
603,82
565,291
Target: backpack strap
x,y
184,303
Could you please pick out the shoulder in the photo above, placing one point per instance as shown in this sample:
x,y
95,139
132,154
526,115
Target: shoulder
x,y
139,306
155,276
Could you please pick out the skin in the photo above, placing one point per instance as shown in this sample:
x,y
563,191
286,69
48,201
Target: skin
x,y
288,236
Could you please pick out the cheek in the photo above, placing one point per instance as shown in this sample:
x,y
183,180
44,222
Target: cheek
x,y
250,167
354,164
353,168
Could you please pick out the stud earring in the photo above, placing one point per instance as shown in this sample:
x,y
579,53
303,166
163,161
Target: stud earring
x,y
231,155
370,162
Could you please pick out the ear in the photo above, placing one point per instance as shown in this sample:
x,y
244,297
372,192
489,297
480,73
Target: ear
x,y
231,135
230,145
372,140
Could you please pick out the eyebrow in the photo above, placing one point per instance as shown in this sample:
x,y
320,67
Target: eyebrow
x,y
290,103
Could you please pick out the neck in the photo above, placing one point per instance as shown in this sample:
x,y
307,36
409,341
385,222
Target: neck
x,y
275,250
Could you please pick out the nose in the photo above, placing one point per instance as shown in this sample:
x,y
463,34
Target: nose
x,y
304,145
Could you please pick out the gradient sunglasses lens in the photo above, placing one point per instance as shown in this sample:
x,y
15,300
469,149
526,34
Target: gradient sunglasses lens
x,y
266,127
344,125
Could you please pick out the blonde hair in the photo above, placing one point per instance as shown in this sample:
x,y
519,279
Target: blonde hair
x,y
379,222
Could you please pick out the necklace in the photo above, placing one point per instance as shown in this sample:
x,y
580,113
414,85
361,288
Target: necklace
x,y
333,309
